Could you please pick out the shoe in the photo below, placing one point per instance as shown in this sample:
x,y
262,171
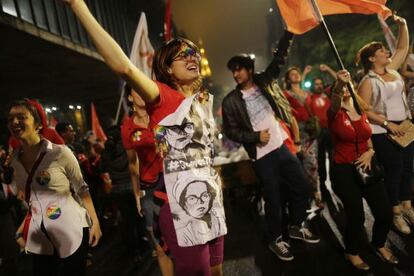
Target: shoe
x,y
391,259
401,224
408,214
303,234
360,266
281,249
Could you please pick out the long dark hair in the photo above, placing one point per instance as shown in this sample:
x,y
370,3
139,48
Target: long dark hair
x,y
163,58
287,80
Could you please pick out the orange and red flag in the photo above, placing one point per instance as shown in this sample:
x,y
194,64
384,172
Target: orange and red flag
x,y
96,125
300,16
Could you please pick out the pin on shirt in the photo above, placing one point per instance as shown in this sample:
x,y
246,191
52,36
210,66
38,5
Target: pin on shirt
x,y
43,178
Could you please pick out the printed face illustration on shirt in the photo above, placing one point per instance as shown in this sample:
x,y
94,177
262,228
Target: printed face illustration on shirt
x,y
197,198
179,137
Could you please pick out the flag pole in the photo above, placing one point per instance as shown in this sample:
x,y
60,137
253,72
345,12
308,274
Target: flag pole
x,y
333,47
121,98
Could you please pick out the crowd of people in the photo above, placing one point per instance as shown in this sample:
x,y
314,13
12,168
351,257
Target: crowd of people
x,y
157,170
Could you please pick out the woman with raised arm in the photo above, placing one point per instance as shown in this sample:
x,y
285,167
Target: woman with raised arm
x,y
181,115
351,135
57,229
383,88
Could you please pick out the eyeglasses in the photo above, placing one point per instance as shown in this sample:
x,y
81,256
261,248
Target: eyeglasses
x,y
188,53
193,199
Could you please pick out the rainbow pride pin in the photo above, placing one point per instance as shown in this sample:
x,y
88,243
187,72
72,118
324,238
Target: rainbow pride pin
x,y
53,212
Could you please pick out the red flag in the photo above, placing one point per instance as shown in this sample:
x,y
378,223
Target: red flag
x,y
300,16
96,126
167,21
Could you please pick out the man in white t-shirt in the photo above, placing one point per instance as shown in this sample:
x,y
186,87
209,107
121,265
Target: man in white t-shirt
x,y
251,115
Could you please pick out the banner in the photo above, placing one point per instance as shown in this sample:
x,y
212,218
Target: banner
x,y
96,125
167,21
300,16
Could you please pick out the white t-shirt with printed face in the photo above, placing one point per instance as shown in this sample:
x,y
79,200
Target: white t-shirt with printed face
x,y
51,201
263,117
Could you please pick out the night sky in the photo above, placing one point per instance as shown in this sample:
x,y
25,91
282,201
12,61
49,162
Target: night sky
x,y
226,27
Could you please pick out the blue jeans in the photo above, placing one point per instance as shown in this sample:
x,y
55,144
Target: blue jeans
x,y
271,169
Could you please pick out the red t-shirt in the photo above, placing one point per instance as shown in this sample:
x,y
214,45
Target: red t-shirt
x,y
345,134
320,104
298,109
170,100
141,140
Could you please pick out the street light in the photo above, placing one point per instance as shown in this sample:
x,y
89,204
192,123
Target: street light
x,y
54,108
78,107
71,107
307,84
48,110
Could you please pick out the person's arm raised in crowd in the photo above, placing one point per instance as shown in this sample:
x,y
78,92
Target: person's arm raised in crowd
x,y
306,71
401,50
279,56
112,53
325,68
343,77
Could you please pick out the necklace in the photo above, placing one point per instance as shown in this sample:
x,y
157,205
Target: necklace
x,y
383,74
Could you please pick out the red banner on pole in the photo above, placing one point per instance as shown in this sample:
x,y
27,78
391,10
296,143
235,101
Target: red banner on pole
x,y
96,125
167,21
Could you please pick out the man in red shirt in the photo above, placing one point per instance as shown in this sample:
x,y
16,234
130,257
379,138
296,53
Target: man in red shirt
x,y
320,104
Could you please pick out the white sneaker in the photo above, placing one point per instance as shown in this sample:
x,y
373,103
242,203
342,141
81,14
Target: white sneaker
x,y
401,224
408,214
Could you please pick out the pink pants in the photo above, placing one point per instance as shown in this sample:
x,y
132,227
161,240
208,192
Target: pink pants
x,y
193,260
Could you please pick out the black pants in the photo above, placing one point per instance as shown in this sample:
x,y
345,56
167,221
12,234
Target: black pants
x,y
75,264
324,146
398,167
132,225
350,190
270,169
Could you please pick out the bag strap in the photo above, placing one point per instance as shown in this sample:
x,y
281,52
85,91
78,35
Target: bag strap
x,y
29,179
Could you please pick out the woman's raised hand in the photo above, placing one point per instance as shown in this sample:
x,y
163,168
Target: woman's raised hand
x,y
343,77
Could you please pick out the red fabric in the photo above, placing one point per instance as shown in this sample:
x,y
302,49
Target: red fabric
x,y
299,15
299,111
320,104
141,139
289,142
167,21
169,101
96,125
344,136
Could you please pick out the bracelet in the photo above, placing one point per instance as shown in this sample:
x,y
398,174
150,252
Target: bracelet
x,y
18,235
